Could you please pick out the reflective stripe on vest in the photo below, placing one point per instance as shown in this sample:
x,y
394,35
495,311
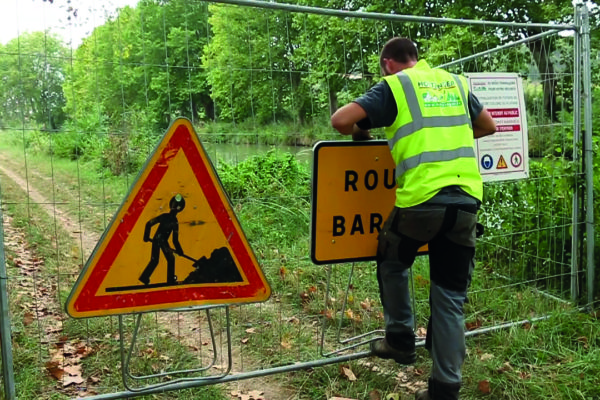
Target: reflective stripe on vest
x,y
433,156
418,120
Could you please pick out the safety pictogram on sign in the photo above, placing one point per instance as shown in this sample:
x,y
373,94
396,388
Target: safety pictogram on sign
x,y
487,162
501,163
175,241
516,160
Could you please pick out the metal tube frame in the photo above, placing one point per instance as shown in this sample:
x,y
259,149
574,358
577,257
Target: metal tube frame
x,y
500,48
376,333
582,49
126,356
177,385
386,17
187,371
8,374
576,156
588,148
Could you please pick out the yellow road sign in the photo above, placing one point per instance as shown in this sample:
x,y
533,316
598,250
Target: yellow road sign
x,y
354,191
174,242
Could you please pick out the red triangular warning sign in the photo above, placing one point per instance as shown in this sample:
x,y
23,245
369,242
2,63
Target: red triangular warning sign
x,y
501,163
174,242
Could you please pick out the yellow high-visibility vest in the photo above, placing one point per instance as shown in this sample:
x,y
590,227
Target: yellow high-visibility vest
x,y
431,140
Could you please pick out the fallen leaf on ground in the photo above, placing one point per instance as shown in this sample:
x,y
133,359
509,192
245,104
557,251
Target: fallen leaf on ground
x,y
286,345
374,395
347,372
412,387
251,330
256,395
473,325
402,377
484,386
366,305
245,340
524,375
304,297
420,281
69,380
27,319
55,370
53,329
84,350
251,395
350,314
327,313
505,367
486,357
421,332
340,398
73,370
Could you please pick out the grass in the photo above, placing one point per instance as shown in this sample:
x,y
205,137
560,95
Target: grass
x,y
557,358
32,347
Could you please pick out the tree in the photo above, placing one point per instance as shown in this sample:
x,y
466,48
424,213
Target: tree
x,y
32,71
147,58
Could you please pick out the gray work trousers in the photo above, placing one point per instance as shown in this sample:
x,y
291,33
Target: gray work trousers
x,y
449,232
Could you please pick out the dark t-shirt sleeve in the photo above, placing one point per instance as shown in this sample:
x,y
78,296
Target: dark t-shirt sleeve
x,y
475,106
380,106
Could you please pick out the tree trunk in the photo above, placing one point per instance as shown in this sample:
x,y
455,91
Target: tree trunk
x,y
209,109
333,101
541,55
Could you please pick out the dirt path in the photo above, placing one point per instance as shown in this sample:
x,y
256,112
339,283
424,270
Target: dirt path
x,y
179,324
86,240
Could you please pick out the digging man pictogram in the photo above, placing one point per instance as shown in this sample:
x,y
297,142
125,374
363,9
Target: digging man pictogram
x,y
168,225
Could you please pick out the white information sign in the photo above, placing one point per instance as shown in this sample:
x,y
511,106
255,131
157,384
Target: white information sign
x,y
503,155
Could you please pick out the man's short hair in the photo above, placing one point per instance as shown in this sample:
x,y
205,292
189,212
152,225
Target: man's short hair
x,y
399,49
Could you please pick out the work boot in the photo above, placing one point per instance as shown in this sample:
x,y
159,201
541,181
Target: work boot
x,y
380,348
439,391
422,394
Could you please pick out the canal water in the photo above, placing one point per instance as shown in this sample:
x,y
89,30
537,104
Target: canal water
x,y
235,153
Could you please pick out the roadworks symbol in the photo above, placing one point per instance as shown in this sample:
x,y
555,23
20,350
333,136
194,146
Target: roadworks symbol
x,y
501,163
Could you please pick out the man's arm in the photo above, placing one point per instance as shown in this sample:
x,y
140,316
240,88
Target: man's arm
x,y
148,227
344,121
483,125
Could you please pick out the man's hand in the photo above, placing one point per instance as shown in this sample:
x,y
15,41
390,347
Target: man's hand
x,y
345,118
179,251
360,135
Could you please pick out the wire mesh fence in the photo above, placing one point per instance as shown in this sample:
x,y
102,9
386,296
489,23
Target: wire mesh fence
x,y
259,85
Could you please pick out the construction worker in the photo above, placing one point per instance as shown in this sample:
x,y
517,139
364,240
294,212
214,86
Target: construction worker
x,y
430,119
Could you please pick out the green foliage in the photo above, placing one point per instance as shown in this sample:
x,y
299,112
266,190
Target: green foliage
x,y
533,216
148,58
32,69
271,175
271,194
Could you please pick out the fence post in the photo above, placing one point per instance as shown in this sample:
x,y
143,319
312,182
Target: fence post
x,y
575,261
589,151
5,334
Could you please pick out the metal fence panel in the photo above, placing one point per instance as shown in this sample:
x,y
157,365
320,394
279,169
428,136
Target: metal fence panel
x,y
250,77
